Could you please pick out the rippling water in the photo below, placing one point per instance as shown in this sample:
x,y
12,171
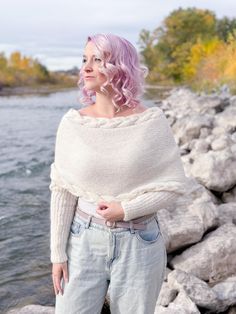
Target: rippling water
x,y
28,128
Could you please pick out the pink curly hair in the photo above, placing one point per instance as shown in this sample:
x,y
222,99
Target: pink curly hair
x,y
122,68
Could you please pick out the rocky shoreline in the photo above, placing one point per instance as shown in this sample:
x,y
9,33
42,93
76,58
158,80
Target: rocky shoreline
x,y
200,230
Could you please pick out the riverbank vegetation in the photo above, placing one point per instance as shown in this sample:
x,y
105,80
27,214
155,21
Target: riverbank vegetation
x,y
192,47
22,71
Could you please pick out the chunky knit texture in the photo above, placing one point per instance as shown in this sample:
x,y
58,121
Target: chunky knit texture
x,y
132,159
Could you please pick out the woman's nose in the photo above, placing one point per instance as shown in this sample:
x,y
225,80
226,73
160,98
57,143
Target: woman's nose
x,y
88,66
88,69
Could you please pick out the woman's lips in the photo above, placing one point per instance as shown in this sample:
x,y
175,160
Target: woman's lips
x,y
89,77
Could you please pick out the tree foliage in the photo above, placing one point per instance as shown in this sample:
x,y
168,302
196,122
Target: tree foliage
x,y
19,70
225,28
185,45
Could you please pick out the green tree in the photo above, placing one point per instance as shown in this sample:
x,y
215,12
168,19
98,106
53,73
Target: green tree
x,y
147,44
41,72
226,27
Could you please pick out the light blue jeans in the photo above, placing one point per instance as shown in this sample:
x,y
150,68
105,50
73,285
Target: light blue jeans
x,y
126,264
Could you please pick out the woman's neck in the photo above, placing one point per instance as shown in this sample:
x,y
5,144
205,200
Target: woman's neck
x,y
104,106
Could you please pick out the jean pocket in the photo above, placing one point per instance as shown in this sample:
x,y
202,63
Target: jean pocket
x,y
77,228
151,234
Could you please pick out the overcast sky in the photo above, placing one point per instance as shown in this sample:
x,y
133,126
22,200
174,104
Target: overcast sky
x,y
54,31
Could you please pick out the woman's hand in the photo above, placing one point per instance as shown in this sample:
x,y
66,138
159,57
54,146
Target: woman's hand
x,y
111,211
59,270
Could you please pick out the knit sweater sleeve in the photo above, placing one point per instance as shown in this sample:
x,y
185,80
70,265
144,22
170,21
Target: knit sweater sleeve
x,y
147,203
62,208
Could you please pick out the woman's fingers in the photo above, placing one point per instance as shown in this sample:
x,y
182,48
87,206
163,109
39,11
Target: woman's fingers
x,y
57,271
65,272
57,280
54,285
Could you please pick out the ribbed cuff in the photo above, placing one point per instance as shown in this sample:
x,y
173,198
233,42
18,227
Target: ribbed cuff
x,y
62,208
147,203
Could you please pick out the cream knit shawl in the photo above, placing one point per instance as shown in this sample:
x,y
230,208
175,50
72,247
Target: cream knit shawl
x,y
116,159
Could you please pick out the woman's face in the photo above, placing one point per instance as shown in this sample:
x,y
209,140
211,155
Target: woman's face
x,y
93,79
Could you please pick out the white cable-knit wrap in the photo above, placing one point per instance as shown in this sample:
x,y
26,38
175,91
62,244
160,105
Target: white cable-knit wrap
x,y
116,122
116,159
58,183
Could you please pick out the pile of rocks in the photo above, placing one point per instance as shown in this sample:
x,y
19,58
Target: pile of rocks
x,y
200,230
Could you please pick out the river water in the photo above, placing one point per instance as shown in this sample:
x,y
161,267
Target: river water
x,y
28,128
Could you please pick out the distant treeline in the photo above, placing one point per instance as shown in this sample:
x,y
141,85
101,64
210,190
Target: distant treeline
x,y
18,70
191,47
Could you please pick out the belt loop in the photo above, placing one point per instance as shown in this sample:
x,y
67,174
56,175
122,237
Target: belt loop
x,y
88,222
131,225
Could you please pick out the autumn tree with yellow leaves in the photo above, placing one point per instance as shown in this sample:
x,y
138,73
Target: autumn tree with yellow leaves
x,y
18,70
191,47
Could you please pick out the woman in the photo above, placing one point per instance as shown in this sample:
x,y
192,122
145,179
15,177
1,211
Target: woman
x,y
116,164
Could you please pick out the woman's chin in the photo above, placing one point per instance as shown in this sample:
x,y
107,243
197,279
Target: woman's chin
x,y
92,87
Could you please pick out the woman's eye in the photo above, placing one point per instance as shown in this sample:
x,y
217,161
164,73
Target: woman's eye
x,y
96,59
